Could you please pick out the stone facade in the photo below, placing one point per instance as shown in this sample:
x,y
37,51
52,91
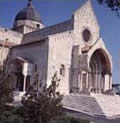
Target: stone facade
x,y
74,49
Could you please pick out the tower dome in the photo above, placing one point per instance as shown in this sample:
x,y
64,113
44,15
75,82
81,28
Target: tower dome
x,y
28,13
27,20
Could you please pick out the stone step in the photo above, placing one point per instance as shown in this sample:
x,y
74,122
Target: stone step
x,y
109,104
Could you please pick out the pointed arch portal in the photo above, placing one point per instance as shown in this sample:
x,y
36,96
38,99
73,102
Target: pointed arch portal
x,y
99,76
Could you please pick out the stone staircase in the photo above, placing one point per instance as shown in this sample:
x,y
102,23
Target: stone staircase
x,y
95,105
83,103
109,104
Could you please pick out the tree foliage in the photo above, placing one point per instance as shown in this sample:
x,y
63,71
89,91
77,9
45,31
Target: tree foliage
x,y
11,116
44,103
40,103
113,4
6,91
7,111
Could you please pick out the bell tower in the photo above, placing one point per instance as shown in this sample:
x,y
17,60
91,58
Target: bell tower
x,y
28,20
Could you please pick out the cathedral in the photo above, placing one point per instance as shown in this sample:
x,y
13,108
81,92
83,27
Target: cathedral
x,y
75,50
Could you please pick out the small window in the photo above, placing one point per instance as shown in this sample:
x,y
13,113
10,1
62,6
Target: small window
x,y
38,25
62,70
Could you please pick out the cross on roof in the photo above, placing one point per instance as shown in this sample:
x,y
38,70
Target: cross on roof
x,y
29,2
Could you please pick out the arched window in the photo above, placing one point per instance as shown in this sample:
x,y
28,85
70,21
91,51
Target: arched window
x,y
86,35
35,67
38,25
62,70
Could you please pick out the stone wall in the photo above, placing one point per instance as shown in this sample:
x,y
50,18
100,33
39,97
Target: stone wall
x,y
10,36
84,18
26,26
36,54
27,23
60,51
3,54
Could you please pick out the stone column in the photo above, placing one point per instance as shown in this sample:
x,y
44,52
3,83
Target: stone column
x,y
103,82
24,86
84,79
79,82
96,82
89,81
106,82
99,83
110,81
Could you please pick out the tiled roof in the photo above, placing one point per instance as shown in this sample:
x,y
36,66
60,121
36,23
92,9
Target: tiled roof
x,y
43,33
